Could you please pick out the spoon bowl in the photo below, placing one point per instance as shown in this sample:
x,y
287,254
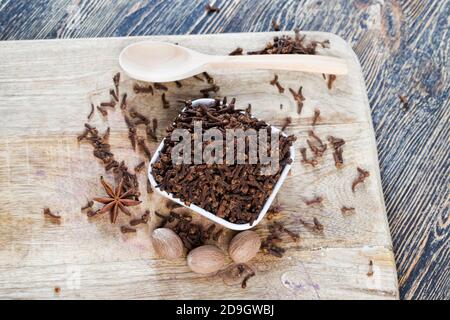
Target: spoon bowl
x,y
160,61
156,61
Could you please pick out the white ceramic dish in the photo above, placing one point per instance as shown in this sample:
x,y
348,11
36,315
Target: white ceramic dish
x,y
209,215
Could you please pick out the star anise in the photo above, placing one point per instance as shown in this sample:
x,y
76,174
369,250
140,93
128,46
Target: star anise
x,y
118,199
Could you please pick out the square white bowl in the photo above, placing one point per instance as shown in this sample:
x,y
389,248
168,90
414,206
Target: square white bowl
x,y
207,214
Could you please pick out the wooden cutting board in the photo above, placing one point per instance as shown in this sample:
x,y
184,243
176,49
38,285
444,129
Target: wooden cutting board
x,y
46,88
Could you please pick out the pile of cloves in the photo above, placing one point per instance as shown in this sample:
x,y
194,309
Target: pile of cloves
x,y
236,192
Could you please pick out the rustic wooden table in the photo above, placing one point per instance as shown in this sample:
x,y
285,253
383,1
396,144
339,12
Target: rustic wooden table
x,y
403,47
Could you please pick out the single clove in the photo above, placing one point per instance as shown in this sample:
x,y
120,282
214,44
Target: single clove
x,y
236,52
331,79
159,86
299,98
275,25
316,117
362,176
276,83
316,200
211,9
89,117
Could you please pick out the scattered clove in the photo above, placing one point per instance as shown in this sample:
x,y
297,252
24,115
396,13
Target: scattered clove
x,y
132,131
314,201
331,79
288,45
111,104
91,213
83,136
123,102
337,144
192,234
159,86
149,187
338,159
237,273
316,117
141,118
126,229
166,103
49,213
404,101
236,52
370,272
347,210
130,180
318,148
144,148
172,204
151,131
198,78
89,117
154,124
248,110
287,122
217,235
100,144
112,92
139,167
247,277
275,25
299,98
305,160
206,91
271,244
102,111
211,9
317,225
273,212
116,81
143,89
208,78
362,176
88,205
142,220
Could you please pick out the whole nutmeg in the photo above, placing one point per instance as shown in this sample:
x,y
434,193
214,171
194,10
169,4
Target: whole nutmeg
x,y
244,246
206,259
167,243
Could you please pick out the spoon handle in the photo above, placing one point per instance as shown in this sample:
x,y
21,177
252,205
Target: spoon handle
x,y
306,63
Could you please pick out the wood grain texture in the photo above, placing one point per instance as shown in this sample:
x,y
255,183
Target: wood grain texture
x,y
403,48
43,163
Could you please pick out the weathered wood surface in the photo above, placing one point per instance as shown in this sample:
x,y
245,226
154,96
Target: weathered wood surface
x,y
403,49
44,165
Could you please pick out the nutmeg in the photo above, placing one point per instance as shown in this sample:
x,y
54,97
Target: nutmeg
x,y
244,246
206,259
167,243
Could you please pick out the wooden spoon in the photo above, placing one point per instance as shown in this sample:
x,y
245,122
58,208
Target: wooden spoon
x,y
164,62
